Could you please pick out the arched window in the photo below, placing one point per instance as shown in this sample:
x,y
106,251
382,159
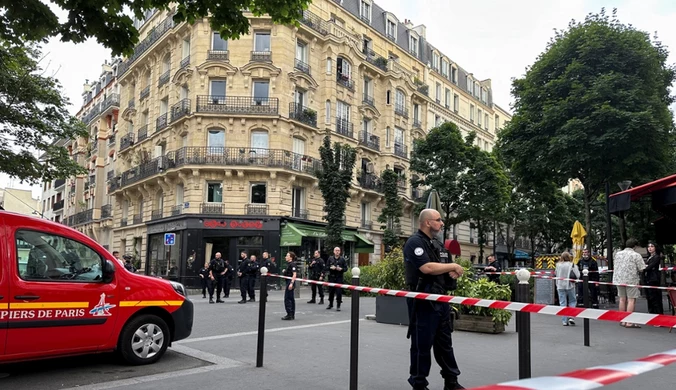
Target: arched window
x,y
215,141
259,143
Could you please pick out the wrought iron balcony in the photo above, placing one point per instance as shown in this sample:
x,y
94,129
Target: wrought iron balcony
x,y
124,222
111,140
164,78
92,179
176,210
114,184
302,66
112,100
82,217
401,110
127,141
144,170
344,127
261,56
314,22
110,175
345,81
142,133
107,211
369,140
153,36
145,92
218,55
138,219
185,62
303,114
376,60
162,122
423,88
299,213
417,124
237,105
368,99
368,225
58,205
180,109
59,182
401,150
256,209
212,208
155,214
369,181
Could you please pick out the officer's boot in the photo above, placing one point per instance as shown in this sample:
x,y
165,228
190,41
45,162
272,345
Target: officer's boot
x,y
338,306
312,300
452,384
287,317
330,306
321,300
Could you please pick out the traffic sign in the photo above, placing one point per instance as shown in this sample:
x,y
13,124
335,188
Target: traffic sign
x,y
169,238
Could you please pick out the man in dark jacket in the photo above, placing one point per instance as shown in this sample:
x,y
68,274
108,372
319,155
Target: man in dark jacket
x,y
493,266
316,267
336,268
588,262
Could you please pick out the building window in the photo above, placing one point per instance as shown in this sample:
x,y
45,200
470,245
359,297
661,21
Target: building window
x,y
258,193
301,51
439,93
366,10
365,212
456,103
179,194
391,29
479,118
218,43
344,68
186,48
484,95
261,90
471,113
216,141
259,141
388,136
215,192
298,202
217,88
486,121
366,126
400,100
343,111
448,98
413,45
398,137
328,66
444,68
262,41
437,120
435,61
477,90
327,108
497,122
416,112
454,75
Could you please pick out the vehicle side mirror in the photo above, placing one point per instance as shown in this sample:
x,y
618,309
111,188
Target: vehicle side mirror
x,y
108,271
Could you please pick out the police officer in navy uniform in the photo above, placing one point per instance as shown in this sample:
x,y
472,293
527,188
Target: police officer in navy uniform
x,y
337,267
431,323
316,267
227,279
243,274
289,299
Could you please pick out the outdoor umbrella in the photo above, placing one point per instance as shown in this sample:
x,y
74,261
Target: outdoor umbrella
x,y
434,202
578,234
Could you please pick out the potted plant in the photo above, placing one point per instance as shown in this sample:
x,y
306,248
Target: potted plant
x,y
481,319
389,273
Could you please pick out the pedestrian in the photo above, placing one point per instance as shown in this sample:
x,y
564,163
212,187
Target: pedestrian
x,y
289,299
565,269
227,279
128,265
592,266
337,267
216,275
243,274
252,270
116,255
316,267
204,278
652,278
627,267
431,323
493,266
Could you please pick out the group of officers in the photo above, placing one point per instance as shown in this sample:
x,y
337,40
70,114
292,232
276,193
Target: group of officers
x,y
217,276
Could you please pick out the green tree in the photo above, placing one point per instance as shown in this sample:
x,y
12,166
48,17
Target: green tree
x,y
110,23
392,212
594,106
441,158
33,114
485,190
335,177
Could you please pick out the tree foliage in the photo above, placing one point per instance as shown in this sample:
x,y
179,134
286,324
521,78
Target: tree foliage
x,y
33,114
392,212
110,22
594,106
335,177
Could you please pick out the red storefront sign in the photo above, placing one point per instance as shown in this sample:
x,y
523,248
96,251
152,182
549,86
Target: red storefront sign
x,y
233,224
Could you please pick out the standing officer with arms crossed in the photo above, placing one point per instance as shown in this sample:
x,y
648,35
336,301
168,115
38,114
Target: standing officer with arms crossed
x,y
316,266
337,267
289,299
430,322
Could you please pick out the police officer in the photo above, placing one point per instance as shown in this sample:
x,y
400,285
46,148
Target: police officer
x,y
217,271
243,274
227,279
204,279
337,267
430,322
289,299
588,262
316,266
252,271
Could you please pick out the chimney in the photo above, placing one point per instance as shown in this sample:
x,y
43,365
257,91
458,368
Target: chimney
x,y
408,23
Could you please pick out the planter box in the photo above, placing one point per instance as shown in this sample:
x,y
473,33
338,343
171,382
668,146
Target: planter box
x,y
391,310
481,324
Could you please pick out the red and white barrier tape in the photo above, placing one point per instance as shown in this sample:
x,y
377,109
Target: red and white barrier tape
x,y
605,283
594,314
590,378
552,271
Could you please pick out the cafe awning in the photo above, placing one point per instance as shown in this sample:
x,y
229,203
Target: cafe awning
x,y
292,235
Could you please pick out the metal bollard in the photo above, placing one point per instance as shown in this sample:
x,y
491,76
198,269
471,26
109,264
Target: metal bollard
x,y
261,316
523,324
354,331
585,300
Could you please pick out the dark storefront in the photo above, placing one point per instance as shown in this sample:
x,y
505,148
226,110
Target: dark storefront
x,y
199,237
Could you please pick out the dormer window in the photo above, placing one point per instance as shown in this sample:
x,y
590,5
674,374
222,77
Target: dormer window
x,y
413,45
365,10
391,29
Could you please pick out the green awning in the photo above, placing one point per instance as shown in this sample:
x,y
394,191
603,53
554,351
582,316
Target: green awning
x,y
290,236
363,244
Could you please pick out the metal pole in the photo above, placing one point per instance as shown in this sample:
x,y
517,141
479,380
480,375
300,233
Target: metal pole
x,y
523,324
261,316
609,246
585,299
354,331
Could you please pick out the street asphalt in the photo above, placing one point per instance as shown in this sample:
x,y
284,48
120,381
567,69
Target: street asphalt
x,y
313,352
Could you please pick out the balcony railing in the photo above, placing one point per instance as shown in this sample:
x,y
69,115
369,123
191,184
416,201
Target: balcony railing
x,y
345,81
92,179
303,114
176,210
218,55
369,140
155,214
185,62
314,22
401,150
82,217
138,219
145,92
237,105
401,110
344,127
162,121
256,209
417,124
153,36
59,182
370,182
417,194
423,88
376,60
180,109
366,225
124,222
107,211
261,56
142,133
164,78
110,175
212,208
111,140
114,184
112,100
368,99
144,170
302,66
299,213
58,205
127,141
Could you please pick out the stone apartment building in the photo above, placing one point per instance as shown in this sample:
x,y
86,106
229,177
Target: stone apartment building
x,y
216,141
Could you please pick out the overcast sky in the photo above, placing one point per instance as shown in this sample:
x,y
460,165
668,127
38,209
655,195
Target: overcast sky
x,y
493,39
